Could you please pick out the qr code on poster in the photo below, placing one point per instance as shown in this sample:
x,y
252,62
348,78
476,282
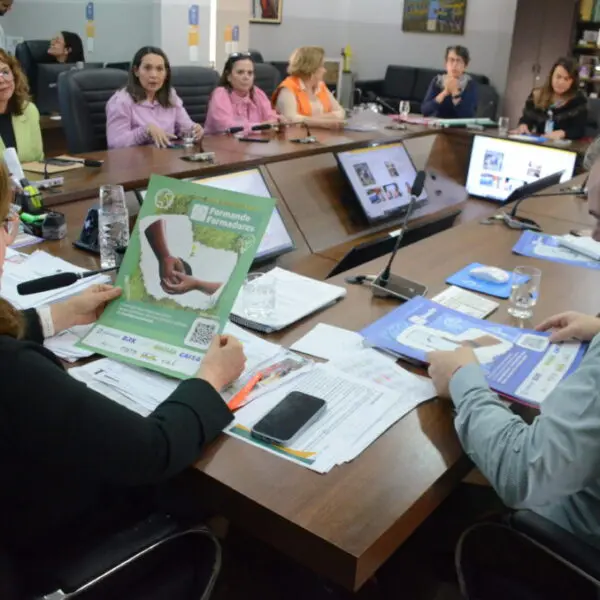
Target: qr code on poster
x,y
202,333
536,343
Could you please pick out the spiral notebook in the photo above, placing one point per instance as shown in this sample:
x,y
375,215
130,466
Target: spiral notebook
x,y
296,298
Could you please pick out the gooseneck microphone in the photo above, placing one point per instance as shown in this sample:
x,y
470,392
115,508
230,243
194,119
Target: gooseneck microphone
x,y
372,97
232,130
53,282
86,162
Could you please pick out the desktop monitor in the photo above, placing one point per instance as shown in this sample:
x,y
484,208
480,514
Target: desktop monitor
x,y
498,167
381,176
276,240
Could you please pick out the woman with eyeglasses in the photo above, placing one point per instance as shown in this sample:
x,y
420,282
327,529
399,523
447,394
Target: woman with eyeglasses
x,y
148,110
237,102
303,96
558,109
453,94
75,464
67,47
19,117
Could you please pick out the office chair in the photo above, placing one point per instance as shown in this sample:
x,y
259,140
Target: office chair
x,y
592,127
257,57
373,249
82,98
266,77
30,54
194,86
567,561
123,66
152,559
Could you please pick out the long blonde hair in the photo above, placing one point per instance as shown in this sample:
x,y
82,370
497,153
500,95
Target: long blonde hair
x,y
11,322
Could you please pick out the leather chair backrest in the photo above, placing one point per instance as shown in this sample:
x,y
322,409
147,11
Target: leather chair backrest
x,y
82,97
194,86
257,57
266,77
123,66
399,82
592,128
30,54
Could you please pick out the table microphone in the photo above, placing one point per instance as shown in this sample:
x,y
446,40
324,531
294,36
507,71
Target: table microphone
x,y
232,130
53,282
387,284
263,127
86,162
372,97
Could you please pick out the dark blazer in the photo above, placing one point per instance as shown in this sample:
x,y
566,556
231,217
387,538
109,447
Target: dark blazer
x,y
66,449
571,117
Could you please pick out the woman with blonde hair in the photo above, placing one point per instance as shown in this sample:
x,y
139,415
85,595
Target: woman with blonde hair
x,y
303,96
558,109
19,117
75,464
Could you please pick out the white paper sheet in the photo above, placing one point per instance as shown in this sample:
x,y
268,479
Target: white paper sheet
x,y
329,342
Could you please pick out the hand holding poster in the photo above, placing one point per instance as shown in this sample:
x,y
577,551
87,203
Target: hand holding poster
x,y
187,259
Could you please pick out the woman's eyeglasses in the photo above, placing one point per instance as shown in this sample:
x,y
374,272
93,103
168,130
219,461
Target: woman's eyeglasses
x,y
7,74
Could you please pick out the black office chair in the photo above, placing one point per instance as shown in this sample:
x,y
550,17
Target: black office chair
x,y
30,54
266,77
592,127
373,249
257,57
122,66
194,86
82,98
562,565
155,558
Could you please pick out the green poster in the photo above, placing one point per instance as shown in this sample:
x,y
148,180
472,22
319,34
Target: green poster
x,y
187,259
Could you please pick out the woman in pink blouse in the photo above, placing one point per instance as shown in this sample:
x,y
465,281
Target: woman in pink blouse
x,y
147,110
237,101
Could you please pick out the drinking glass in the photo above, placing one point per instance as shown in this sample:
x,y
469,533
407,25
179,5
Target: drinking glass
x,y
503,125
113,224
188,138
404,109
259,297
525,290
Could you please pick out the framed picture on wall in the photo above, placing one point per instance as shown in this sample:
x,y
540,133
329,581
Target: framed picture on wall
x,y
435,16
333,74
266,11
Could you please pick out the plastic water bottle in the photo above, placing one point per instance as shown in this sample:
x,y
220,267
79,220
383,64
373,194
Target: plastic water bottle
x,y
549,127
113,224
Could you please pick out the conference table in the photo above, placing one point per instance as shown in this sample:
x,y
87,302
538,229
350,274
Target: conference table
x,y
346,524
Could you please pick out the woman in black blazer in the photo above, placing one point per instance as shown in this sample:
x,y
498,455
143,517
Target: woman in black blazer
x,y
558,103
68,454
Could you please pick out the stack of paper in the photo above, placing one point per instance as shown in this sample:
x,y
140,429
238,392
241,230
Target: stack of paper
x,y
366,393
583,245
40,264
142,391
64,344
296,297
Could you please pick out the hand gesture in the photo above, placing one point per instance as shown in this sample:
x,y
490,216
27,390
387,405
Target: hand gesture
x,y
183,283
443,365
522,129
571,325
168,269
161,138
223,363
451,86
198,131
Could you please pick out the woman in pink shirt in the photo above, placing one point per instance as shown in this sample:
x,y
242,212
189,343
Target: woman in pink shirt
x,y
237,102
147,110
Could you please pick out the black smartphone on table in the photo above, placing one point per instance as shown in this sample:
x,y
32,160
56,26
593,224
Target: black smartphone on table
x,y
288,419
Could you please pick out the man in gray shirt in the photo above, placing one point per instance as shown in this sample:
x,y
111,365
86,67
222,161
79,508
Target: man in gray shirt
x,y
552,466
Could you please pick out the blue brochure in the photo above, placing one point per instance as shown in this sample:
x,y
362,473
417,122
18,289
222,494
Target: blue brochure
x,y
464,280
520,364
546,247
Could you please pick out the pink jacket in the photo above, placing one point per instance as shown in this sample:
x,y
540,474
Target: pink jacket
x,y
228,109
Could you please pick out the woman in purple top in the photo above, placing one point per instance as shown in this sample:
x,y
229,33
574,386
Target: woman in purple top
x,y
237,102
147,110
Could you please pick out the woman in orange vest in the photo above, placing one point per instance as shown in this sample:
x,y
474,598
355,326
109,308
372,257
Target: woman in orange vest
x,y
303,96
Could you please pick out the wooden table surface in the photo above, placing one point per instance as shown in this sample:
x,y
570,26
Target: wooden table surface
x,y
347,523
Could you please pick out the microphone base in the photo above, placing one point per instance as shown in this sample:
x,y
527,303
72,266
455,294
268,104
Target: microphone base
x,y
397,287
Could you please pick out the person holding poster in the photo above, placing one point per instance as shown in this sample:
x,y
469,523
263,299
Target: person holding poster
x,y
93,454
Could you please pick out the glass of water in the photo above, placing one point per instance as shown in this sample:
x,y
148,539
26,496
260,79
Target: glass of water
x,y
525,290
503,125
259,297
188,138
404,109
113,223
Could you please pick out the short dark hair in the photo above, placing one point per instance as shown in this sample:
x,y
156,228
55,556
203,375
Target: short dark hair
x,y
136,91
74,43
461,51
228,68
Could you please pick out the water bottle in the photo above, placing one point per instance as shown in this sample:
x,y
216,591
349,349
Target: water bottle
x,y
549,127
113,224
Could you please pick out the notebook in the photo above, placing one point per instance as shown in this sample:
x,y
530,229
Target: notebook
x,y
584,245
296,298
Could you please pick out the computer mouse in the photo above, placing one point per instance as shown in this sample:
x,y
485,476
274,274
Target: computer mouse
x,y
489,274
